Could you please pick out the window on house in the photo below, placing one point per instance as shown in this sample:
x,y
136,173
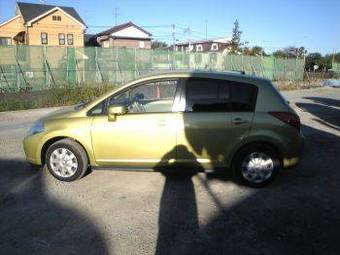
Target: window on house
x,y
61,39
214,46
199,47
5,41
106,44
69,39
55,17
190,48
141,44
44,38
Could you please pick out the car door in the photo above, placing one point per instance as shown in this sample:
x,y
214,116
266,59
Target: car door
x,y
146,135
218,115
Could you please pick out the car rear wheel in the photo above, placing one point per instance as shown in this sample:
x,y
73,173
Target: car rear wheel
x,y
257,165
66,160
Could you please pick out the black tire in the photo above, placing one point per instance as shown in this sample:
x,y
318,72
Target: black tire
x,y
242,156
79,153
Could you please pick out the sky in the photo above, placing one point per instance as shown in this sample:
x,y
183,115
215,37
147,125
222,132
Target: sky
x,y
272,24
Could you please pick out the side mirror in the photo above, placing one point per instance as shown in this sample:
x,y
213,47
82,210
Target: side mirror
x,y
115,110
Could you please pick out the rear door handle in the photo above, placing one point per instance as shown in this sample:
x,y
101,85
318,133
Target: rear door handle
x,y
238,121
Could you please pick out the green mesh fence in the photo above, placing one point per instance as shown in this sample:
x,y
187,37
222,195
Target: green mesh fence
x,y
25,68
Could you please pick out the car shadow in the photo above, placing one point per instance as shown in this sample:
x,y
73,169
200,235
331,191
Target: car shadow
x,y
323,110
297,214
178,216
325,101
33,223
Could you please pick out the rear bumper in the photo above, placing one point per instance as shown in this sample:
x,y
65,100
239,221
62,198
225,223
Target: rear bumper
x,y
290,162
293,160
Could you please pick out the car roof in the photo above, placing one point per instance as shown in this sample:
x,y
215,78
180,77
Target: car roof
x,y
238,75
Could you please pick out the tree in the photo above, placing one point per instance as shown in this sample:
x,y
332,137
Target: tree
x,y
295,52
247,51
333,57
257,51
280,54
301,52
254,51
235,43
158,45
291,52
317,59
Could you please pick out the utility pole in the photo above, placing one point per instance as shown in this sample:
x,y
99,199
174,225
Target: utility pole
x,y
187,31
173,36
116,13
206,30
173,45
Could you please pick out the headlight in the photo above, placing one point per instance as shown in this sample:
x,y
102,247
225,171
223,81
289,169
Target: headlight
x,y
37,127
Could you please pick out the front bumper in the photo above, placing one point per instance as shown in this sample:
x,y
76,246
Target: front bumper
x,y
32,148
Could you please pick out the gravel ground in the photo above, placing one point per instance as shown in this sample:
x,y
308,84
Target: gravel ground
x,y
118,212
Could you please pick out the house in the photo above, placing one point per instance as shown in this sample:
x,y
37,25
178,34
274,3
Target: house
x,y
213,45
41,24
126,35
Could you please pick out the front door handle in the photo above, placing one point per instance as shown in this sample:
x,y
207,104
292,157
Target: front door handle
x,y
238,121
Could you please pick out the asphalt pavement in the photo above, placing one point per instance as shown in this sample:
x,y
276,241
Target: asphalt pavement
x,y
119,212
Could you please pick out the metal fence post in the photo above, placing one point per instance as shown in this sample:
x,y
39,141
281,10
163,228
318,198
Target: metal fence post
x,y
17,68
99,75
135,65
151,59
169,64
67,68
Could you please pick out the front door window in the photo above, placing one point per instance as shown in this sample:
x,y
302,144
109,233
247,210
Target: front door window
x,y
153,97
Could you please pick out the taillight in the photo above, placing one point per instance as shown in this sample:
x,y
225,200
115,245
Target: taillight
x,y
287,117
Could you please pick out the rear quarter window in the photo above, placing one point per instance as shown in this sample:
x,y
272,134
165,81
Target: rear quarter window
x,y
243,97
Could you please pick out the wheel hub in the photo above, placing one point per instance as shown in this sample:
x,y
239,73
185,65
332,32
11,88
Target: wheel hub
x,y
257,167
63,162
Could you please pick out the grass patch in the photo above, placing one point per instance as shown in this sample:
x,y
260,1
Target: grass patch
x,y
296,85
51,97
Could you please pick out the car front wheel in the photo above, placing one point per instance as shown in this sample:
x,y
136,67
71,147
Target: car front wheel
x,y
66,160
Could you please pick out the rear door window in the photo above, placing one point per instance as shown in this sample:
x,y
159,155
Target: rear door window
x,y
207,95
212,95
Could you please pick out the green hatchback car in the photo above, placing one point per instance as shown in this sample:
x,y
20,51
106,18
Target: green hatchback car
x,y
174,120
